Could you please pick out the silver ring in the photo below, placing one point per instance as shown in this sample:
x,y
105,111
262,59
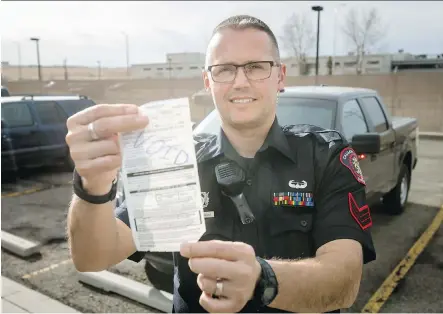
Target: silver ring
x,y
92,132
218,289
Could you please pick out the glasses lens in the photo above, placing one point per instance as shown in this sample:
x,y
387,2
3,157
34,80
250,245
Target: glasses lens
x,y
223,73
258,70
254,71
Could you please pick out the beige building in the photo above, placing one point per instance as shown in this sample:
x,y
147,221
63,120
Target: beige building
x,y
372,64
177,65
52,73
189,65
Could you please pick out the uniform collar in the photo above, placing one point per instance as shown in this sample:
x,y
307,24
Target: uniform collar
x,y
275,139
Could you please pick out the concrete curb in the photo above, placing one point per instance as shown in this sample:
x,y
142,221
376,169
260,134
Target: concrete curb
x,y
431,135
129,288
17,298
19,246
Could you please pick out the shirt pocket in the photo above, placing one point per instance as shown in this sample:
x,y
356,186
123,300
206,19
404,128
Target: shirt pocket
x,y
219,224
290,232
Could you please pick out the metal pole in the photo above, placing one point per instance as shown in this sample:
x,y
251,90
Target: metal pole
x,y
127,53
318,43
38,61
98,69
38,57
66,69
318,9
170,77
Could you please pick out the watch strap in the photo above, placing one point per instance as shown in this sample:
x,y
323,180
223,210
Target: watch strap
x,y
267,279
93,199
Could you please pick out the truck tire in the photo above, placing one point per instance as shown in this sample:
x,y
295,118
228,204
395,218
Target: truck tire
x,y
159,280
395,200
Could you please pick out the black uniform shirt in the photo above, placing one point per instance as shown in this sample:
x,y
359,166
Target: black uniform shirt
x,y
304,187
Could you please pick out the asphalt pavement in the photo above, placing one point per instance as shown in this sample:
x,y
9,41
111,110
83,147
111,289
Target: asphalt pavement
x,y
41,215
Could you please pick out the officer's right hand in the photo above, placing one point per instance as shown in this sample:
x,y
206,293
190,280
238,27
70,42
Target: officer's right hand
x,y
98,160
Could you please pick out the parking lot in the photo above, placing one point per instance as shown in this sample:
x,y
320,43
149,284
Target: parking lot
x,y
36,207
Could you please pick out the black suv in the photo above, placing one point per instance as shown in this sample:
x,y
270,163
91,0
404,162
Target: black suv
x,y
34,130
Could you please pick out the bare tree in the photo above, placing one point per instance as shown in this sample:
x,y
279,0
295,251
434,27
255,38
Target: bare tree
x,y
364,32
298,39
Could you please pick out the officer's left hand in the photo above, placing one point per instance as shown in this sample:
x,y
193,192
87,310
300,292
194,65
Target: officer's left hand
x,y
234,262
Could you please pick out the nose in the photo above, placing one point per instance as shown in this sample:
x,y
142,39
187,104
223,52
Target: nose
x,y
241,80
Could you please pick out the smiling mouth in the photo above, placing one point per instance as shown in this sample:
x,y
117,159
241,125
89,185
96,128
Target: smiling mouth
x,y
242,100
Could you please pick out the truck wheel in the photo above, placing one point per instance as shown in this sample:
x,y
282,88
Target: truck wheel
x,y
395,201
159,280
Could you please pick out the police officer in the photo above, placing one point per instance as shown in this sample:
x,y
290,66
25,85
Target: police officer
x,y
301,245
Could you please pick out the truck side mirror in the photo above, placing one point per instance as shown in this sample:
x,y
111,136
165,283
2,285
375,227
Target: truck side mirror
x,y
368,143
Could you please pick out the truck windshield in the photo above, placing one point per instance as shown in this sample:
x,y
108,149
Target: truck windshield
x,y
290,110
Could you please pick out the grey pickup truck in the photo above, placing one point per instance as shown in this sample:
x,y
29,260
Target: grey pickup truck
x,y
386,147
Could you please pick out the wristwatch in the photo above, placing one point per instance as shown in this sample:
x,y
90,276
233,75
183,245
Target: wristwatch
x,y
94,199
267,286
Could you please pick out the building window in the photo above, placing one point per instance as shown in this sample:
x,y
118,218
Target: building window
x,y
147,69
159,69
350,64
168,68
193,68
373,62
179,68
293,65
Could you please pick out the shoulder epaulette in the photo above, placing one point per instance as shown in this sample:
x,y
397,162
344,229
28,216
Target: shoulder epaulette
x,y
322,135
204,143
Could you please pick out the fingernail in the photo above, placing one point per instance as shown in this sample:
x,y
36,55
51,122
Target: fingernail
x,y
141,119
131,109
184,249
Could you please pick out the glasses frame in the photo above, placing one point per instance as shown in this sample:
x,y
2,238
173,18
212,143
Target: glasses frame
x,y
237,66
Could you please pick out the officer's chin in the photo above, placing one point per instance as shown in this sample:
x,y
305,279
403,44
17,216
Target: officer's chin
x,y
245,121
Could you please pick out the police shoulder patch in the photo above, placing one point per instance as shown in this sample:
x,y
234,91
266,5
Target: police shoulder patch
x,y
349,159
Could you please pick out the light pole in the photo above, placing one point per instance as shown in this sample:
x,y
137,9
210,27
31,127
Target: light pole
x,y
318,9
38,57
65,67
127,52
99,70
170,76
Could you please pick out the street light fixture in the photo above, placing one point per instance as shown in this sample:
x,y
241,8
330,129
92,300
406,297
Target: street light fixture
x,y
171,91
318,9
38,57
127,52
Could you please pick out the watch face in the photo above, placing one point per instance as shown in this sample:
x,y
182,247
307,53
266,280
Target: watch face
x,y
268,294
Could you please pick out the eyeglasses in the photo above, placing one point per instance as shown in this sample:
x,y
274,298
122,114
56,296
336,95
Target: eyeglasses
x,y
254,71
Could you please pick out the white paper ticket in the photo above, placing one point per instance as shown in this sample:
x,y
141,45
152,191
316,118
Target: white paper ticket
x,y
160,179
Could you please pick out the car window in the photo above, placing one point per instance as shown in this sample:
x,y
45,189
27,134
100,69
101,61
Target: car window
x,y
353,120
49,112
298,110
16,114
290,111
376,115
73,106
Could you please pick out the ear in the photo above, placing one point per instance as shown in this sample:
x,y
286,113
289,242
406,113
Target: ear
x,y
282,77
206,80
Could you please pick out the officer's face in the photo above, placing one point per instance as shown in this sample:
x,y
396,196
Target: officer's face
x,y
243,102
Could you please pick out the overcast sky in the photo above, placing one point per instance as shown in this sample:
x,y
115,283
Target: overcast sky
x,y
84,32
